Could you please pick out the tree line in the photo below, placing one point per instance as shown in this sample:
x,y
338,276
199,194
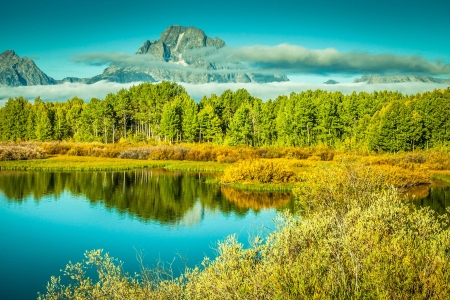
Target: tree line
x,y
380,121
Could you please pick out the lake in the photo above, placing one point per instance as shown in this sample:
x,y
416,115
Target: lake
x,y
51,218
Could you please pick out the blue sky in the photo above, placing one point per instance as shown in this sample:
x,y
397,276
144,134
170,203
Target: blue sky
x,y
309,41
51,32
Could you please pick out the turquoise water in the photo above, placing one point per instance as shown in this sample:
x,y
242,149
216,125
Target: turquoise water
x,y
48,219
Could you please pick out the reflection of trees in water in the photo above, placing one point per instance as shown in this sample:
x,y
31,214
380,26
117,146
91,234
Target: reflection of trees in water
x,y
165,196
437,197
256,200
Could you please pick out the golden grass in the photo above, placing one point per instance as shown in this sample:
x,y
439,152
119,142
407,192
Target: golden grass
x,y
87,163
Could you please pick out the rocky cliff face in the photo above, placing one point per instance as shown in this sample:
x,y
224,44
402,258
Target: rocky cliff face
x,y
180,65
16,71
373,79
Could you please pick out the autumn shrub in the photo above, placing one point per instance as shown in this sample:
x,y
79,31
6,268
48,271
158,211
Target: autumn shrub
x,y
56,147
20,151
430,159
80,150
136,153
258,171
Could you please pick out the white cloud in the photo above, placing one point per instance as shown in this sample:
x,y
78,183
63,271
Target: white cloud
x,y
63,92
294,59
264,91
271,90
283,58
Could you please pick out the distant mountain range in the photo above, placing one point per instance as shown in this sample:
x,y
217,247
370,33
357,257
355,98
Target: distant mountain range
x,y
175,62
18,71
331,81
374,79
176,56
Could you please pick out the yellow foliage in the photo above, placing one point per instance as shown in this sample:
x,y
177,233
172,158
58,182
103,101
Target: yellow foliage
x,y
255,200
258,171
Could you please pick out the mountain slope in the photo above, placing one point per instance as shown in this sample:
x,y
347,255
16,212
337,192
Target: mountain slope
x,y
16,71
374,79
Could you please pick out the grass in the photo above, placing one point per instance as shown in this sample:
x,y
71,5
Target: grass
x,y
88,163
441,175
263,187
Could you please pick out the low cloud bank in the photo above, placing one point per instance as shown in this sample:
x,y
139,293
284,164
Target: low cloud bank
x,y
283,58
264,91
267,91
62,92
297,59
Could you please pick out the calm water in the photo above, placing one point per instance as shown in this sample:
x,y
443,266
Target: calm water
x,y
49,218
437,197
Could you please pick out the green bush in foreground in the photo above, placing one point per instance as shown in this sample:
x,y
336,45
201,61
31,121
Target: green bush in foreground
x,y
341,248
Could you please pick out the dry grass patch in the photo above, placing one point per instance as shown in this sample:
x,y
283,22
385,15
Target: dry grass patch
x,y
20,151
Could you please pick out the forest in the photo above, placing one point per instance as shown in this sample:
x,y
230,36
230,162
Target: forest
x,y
381,121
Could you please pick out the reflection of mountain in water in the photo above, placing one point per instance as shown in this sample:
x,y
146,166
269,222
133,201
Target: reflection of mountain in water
x,y
163,196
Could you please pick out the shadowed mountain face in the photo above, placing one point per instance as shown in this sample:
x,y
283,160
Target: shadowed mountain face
x,y
375,79
16,71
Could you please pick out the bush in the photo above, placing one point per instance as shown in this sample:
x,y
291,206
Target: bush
x,y
258,171
20,151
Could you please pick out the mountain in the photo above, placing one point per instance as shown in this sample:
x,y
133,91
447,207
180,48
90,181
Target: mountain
x,y
177,56
331,81
16,71
373,79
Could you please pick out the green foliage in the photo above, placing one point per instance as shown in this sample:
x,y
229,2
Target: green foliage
x,y
382,121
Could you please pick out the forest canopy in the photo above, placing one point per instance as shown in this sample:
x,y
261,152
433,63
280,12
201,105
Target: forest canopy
x,y
379,121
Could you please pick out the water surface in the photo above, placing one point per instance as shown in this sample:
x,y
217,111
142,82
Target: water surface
x,y
50,218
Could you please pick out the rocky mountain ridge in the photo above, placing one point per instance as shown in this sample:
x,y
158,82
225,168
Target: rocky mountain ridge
x,y
172,52
178,63
16,71
376,79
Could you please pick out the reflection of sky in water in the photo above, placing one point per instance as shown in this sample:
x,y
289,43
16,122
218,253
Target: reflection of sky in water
x,y
41,236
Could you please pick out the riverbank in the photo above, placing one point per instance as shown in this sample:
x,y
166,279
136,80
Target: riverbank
x,y
403,170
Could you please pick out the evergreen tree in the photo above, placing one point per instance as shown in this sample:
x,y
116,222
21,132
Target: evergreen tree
x,y
241,131
209,125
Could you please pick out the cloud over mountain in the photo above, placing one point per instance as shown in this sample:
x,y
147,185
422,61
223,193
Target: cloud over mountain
x,y
297,59
283,58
